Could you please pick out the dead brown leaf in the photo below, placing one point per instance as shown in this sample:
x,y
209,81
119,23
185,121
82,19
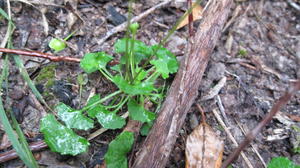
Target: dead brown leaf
x,y
204,149
197,14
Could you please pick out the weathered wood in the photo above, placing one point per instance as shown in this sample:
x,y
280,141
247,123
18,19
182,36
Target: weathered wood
x,y
159,143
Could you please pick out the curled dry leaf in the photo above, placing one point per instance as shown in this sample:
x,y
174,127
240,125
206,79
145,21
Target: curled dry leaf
x,y
204,149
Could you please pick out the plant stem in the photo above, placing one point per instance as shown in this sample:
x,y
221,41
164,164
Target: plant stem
x,y
101,100
70,35
127,52
153,77
106,74
132,61
121,105
164,40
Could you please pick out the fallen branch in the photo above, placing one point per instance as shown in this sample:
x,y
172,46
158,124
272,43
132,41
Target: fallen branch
x,y
251,135
159,143
40,55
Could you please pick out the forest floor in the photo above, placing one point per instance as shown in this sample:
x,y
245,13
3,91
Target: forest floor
x,y
257,56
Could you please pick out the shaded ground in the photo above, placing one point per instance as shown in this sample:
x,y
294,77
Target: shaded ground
x,y
258,54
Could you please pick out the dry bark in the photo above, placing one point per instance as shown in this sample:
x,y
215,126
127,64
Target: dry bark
x,y
159,143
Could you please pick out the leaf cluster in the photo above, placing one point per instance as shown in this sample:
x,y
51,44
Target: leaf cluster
x,y
139,67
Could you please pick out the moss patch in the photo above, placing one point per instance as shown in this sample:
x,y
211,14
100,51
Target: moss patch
x,y
47,76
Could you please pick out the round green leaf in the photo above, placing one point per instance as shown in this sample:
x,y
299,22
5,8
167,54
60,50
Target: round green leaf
x,y
116,156
73,118
143,88
107,119
57,45
166,63
138,112
91,62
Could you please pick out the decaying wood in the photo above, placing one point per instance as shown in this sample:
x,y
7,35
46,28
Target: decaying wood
x,y
159,143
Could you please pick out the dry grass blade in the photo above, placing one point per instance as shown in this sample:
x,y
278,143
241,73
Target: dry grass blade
x,y
204,149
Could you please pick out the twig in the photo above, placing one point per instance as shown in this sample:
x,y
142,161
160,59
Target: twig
x,y
191,31
294,5
123,26
253,147
222,110
251,135
40,54
218,117
9,155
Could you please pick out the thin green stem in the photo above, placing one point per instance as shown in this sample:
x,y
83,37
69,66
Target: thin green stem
x,y
116,105
101,100
153,77
107,75
127,54
132,61
121,105
70,35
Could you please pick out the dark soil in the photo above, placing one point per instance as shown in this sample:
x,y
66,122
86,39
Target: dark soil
x,y
258,53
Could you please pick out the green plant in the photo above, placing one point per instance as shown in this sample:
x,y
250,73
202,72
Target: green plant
x,y
58,44
282,162
143,65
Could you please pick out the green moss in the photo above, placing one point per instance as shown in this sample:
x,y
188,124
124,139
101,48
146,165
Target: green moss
x,y
243,53
47,76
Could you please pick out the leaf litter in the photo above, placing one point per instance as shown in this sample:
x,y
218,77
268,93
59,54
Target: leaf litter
x,y
204,149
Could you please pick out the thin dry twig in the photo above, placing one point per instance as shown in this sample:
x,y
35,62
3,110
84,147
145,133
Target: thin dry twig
x,y
40,54
9,155
251,135
123,26
253,147
218,117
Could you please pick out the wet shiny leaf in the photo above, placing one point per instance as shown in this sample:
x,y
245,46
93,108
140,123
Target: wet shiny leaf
x,y
62,139
73,118
107,119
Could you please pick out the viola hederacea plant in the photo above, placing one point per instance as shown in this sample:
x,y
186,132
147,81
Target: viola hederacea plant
x,y
139,68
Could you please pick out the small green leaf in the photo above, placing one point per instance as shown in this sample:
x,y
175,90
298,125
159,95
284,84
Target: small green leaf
x,y
141,50
116,155
57,45
146,128
73,118
281,162
62,139
91,62
166,63
107,119
143,88
137,112
93,100
141,75
116,68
